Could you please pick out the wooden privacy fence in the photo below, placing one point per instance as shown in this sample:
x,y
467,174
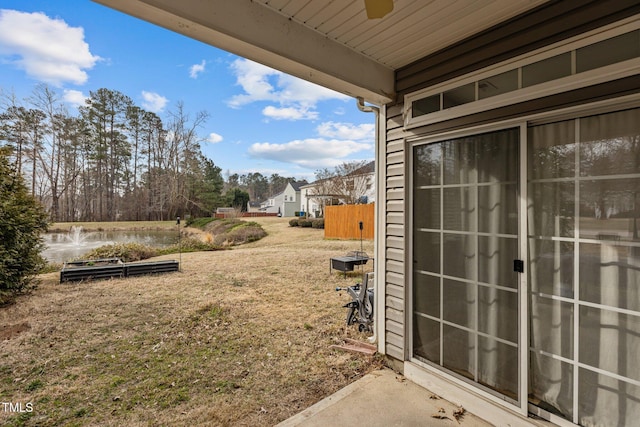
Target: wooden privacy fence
x,y
341,222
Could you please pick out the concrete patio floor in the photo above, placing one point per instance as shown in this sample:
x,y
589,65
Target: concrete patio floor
x,y
383,398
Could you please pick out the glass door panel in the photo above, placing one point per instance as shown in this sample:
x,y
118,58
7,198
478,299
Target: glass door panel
x,y
584,275
465,239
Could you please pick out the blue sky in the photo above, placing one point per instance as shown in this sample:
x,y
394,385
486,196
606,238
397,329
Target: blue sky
x,y
261,120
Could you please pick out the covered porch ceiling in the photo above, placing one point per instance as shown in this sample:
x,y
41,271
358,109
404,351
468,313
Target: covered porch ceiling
x,y
329,42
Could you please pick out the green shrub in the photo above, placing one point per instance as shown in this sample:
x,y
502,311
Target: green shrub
x,y
246,234
127,252
233,231
294,222
305,223
200,223
223,225
22,222
317,223
189,244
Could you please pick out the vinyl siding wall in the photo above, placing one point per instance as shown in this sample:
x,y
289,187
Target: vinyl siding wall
x,y
395,234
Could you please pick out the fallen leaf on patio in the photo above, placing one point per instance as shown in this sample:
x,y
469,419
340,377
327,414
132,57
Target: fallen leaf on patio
x,y
440,416
459,413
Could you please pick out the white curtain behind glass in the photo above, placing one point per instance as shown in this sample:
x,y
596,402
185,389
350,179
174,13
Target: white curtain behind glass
x,y
605,182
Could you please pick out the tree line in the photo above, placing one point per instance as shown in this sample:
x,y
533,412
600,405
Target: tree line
x,y
114,160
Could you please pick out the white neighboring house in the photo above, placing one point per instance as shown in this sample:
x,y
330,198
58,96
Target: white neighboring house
x,y
285,203
272,204
357,187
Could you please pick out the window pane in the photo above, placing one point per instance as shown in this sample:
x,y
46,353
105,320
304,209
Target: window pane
x,y
552,209
496,85
459,209
495,264
458,96
498,209
426,208
552,326
551,385
610,275
498,366
426,294
610,209
426,251
552,150
427,105
607,402
546,70
498,313
427,160
606,52
551,267
610,126
610,341
460,256
426,338
460,167
498,158
459,301
610,144
458,351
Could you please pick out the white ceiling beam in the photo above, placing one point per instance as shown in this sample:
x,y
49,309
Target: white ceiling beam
x,y
255,32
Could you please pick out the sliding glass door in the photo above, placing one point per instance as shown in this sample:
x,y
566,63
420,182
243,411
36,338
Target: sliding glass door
x,y
575,346
465,241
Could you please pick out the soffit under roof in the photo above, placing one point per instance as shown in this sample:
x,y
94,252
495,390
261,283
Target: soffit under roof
x,y
329,42
413,30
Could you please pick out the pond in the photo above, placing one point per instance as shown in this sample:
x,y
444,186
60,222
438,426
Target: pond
x,y
61,247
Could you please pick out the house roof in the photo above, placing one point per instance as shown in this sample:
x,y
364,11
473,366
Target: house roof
x,y
296,185
366,169
331,43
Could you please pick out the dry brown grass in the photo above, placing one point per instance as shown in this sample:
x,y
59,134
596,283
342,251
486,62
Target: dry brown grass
x,y
238,337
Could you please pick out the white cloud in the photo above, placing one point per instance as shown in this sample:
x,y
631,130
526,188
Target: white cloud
x,y
47,49
254,80
214,138
360,132
289,113
153,102
291,95
196,69
74,97
311,153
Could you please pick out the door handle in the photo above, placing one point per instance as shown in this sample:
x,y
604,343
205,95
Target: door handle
x,y
518,266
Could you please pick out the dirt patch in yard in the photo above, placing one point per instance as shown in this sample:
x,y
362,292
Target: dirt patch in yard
x,y
9,331
238,337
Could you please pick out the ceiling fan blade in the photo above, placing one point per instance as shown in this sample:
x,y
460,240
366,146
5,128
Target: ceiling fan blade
x,y
378,8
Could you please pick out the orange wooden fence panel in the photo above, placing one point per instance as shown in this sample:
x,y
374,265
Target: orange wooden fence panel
x,y
341,222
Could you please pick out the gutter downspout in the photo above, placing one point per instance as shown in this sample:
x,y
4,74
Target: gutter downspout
x,y
379,316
